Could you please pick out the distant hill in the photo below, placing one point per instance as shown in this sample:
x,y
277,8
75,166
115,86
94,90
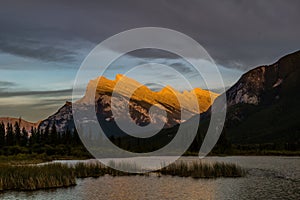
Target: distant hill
x,y
23,123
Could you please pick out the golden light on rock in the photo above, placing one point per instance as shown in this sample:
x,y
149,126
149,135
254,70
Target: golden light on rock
x,y
167,96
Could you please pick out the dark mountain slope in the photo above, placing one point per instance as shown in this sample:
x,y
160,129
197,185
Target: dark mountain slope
x,y
263,105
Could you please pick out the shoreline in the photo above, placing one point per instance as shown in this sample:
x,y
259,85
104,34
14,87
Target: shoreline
x,y
39,158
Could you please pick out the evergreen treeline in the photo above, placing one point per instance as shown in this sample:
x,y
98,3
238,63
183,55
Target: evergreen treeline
x,y
16,140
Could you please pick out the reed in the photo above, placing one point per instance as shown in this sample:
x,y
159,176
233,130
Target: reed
x,y
199,169
33,177
195,169
83,170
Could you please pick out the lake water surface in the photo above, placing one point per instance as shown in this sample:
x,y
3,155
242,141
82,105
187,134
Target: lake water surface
x,y
267,177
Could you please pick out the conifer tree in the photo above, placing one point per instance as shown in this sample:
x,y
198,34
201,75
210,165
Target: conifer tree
x,y
38,136
76,138
2,134
17,133
32,138
46,135
53,134
10,140
68,137
24,137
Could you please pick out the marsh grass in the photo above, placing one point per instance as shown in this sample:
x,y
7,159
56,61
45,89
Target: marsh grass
x,y
199,169
195,169
83,170
33,177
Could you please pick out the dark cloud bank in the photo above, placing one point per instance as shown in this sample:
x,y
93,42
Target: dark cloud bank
x,y
240,34
51,93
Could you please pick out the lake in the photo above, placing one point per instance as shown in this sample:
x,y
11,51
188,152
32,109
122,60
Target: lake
x,y
268,177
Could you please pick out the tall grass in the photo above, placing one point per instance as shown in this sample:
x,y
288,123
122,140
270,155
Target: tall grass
x,y
199,169
33,177
83,170
195,169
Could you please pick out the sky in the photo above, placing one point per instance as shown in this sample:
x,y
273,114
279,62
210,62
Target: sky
x,y
43,43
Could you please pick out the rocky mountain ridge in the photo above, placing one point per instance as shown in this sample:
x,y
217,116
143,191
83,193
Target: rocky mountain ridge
x,y
262,106
140,102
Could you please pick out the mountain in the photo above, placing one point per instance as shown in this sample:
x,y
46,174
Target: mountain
x,y
23,123
63,119
167,96
267,84
263,105
140,102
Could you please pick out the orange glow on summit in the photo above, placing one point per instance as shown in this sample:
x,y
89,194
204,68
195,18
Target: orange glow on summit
x,y
167,96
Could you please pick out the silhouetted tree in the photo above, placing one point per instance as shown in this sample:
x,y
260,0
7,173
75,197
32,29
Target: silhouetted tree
x,y
76,138
32,139
45,135
38,136
223,145
2,134
17,133
9,135
24,137
53,134
68,139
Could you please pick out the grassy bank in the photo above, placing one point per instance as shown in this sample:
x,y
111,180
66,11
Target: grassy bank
x,y
33,177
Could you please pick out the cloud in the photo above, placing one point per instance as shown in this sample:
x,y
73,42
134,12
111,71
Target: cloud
x,y
7,84
42,53
154,86
54,93
146,56
34,50
238,34
48,49
152,54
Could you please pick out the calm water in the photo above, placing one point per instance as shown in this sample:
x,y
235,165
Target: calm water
x,y
268,178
